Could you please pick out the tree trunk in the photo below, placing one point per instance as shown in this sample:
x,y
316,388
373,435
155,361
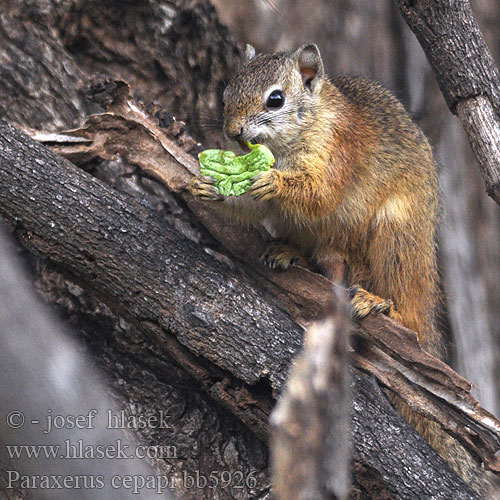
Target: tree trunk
x,y
115,284
46,376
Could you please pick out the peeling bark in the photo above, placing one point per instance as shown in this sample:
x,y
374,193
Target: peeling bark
x,y
115,247
148,365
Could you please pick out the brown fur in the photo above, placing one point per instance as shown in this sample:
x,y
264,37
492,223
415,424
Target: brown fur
x,y
354,179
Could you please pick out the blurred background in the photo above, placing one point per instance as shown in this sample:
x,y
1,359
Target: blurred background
x,y
371,39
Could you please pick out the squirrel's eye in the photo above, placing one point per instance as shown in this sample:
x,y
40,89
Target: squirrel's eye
x,y
276,99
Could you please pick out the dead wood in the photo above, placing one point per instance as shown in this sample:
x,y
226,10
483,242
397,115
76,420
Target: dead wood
x,y
113,246
311,457
466,73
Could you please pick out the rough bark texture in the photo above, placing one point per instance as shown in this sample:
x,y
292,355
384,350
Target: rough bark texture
x,y
482,126
146,372
35,344
30,56
113,247
455,47
394,356
466,73
387,429
174,52
126,258
142,374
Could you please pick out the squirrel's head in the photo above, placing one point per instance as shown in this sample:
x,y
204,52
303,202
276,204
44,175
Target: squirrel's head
x,y
271,97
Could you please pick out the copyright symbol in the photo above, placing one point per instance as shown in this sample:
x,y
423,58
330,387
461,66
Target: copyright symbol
x,y
15,419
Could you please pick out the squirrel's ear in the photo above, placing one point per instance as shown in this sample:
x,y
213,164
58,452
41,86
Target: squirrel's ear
x,y
310,65
249,52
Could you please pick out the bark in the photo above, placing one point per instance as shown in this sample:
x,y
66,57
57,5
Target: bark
x,y
113,246
142,375
143,371
394,356
466,73
99,214
310,455
382,466
176,52
94,233
31,55
57,380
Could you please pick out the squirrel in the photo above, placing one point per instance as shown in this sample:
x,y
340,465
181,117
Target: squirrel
x,y
354,179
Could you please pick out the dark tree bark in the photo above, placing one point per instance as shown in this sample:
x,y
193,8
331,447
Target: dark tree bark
x,y
57,380
174,52
142,374
112,246
466,73
153,378
150,368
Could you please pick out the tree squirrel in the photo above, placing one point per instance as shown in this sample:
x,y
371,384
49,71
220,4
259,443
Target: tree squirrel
x,y
354,179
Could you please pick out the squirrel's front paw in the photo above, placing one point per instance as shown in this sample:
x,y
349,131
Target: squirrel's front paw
x,y
281,256
203,189
265,185
364,303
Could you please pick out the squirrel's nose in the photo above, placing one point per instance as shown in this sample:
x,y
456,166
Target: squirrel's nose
x,y
234,131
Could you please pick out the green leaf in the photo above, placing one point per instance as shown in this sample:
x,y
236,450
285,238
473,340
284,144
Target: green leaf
x,y
233,174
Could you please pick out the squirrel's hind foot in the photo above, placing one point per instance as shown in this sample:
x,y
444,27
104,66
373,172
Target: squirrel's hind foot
x,y
364,303
280,256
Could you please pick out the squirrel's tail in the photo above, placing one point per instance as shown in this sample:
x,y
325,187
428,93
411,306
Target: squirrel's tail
x,y
447,447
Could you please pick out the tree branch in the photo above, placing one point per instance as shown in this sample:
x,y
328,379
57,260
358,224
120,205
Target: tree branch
x,y
220,327
429,386
310,452
466,74
43,371
164,282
